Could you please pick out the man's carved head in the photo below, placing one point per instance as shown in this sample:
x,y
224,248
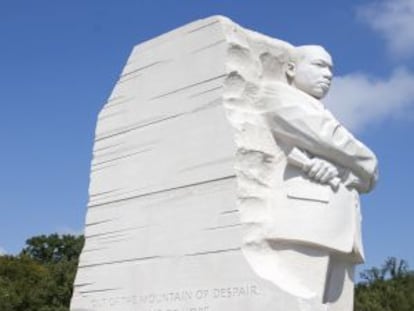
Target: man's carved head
x,y
310,70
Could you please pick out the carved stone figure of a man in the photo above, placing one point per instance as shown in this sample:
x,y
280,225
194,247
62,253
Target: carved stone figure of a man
x,y
310,240
310,70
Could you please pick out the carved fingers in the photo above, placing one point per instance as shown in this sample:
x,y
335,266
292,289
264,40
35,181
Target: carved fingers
x,y
321,170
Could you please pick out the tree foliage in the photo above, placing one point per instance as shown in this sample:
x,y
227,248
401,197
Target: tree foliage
x,y
389,288
41,277
53,248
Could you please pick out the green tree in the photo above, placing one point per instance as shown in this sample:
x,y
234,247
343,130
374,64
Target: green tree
x,y
53,248
41,277
389,288
23,284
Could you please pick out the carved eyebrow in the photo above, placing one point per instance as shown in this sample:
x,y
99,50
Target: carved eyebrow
x,y
323,62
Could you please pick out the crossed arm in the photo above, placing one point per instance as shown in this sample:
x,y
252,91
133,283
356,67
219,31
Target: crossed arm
x,y
326,172
300,120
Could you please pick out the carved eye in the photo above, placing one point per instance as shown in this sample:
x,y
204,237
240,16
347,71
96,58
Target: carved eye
x,y
319,64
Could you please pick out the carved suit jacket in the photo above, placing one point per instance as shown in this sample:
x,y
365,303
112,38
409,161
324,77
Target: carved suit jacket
x,y
298,208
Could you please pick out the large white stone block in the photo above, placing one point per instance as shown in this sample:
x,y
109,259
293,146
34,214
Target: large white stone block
x,y
187,208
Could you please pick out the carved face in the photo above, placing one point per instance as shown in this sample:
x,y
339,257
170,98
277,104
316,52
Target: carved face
x,y
312,72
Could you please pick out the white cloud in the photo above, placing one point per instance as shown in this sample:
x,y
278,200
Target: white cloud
x,y
2,251
357,99
394,20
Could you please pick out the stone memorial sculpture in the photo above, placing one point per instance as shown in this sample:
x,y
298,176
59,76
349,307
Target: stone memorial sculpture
x,y
219,180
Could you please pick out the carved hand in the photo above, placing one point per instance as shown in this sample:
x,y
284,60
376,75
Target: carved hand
x,y
321,170
354,182
318,169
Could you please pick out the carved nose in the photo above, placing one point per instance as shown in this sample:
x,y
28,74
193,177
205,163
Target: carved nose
x,y
328,74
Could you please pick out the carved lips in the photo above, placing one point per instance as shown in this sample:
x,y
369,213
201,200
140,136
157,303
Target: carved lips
x,y
324,84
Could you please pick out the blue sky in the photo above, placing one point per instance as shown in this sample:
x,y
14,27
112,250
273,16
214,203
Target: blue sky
x,y
60,60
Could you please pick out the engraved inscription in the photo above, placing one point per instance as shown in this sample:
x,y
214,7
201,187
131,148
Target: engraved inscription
x,y
181,300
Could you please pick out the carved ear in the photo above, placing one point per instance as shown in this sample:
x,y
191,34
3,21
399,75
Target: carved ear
x,y
290,69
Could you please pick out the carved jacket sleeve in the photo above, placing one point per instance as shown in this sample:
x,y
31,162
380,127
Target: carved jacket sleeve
x,y
301,121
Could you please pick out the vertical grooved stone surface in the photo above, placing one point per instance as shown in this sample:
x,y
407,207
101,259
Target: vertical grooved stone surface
x,y
186,198
163,229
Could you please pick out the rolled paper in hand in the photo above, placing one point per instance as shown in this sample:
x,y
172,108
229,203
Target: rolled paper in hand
x,y
301,160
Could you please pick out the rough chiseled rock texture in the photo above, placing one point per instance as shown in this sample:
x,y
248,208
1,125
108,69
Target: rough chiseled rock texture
x,y
179,173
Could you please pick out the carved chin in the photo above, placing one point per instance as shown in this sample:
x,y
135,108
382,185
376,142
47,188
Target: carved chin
x,y
320,91
318,94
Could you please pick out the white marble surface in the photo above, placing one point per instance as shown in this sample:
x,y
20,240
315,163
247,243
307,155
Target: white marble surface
x,y
192,194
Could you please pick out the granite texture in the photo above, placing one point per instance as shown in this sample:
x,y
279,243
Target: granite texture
x,y
197,200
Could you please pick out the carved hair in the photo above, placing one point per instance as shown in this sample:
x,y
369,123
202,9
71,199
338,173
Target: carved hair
x,y
274,62
300,51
